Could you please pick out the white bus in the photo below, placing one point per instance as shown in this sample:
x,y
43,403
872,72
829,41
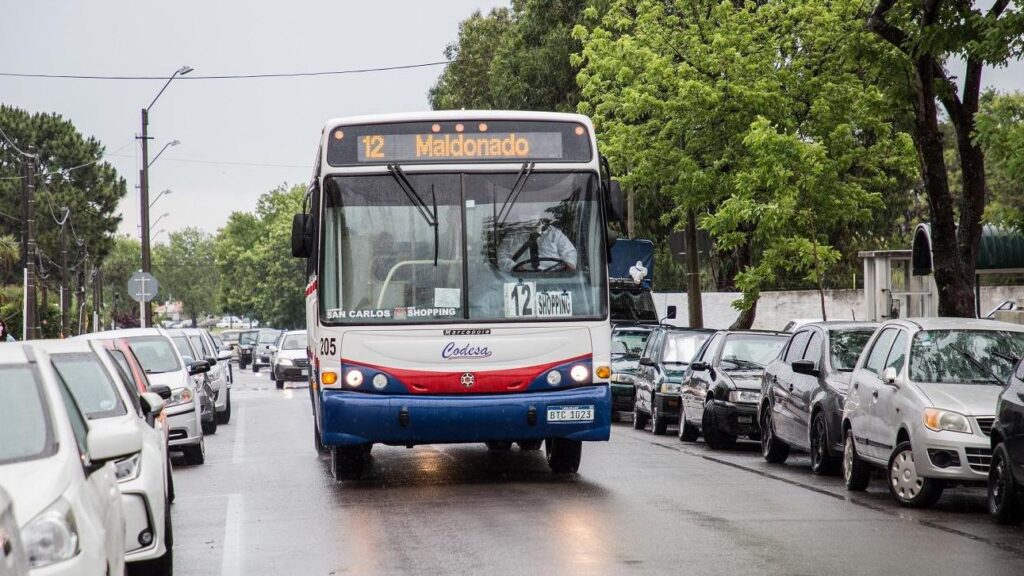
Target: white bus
x,y
458,285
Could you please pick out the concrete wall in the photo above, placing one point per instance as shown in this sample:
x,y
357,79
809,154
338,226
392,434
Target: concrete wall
x,y
775,309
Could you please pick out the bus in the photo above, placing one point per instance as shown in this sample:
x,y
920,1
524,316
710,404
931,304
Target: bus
x,y
457,284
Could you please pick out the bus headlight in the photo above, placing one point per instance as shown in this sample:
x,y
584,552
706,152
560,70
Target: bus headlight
x,y
579,373
354,378
380,381
554,378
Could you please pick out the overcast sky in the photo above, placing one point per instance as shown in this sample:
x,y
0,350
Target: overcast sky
x,y
239,138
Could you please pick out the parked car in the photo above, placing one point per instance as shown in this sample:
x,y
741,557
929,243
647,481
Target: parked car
x,y
1006,474
58,468
264,348
108,397
922,404
721,389
12,554
247,341
803,391
164,365
219,374
206,393
628,342
290,362
663,362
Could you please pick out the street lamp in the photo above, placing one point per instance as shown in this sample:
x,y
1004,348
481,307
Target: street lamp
x,y
162,216
171,143
157,235
144,187
159,195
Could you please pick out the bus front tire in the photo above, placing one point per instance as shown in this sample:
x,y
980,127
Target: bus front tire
x,y
348,462
563,455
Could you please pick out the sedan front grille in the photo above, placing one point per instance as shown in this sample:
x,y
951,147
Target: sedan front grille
x,y
301,363
979,459
985,423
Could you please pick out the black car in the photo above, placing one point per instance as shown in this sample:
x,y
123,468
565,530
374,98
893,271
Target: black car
x,y
664,361
247,342
803,391
627,345
722,387
1006,471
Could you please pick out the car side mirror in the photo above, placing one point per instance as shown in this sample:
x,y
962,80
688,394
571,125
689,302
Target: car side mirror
x,y
161,390
645,361
670,313
889,376
699,366
805,367
112,442
616,202
211,360
152,403
302,235
225,354
196,368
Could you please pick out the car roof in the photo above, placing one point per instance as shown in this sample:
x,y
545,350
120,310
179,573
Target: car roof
x,y
66,346
756,332
841,325
125,333
13,353
954,324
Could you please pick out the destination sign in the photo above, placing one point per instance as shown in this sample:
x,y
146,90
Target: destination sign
x,y
459,142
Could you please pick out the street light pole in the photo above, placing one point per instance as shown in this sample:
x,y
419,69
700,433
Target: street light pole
x,y
147,315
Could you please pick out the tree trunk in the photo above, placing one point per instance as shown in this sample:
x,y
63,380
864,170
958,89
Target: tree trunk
x,y
746,318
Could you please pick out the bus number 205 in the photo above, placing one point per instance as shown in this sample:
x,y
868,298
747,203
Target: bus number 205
x,y
328,347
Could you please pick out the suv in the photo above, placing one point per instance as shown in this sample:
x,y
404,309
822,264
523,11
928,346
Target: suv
x,y
1006,475
803,390
664,360
922,402
247,341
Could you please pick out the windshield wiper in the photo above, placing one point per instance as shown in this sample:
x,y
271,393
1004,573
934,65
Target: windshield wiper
x,y
513,195
978,363
1008,358
431,217
741,364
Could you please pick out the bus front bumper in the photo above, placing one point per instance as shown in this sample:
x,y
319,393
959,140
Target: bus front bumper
x,y
348,418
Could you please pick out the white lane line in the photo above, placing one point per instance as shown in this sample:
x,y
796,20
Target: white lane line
x,y
231,559
238,451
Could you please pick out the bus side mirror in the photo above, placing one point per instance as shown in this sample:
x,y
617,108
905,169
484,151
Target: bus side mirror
x,y
616,202
302,235
670,313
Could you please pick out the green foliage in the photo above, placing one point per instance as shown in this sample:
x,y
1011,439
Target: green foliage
x,y
1000,131
10,254
124,259
187,271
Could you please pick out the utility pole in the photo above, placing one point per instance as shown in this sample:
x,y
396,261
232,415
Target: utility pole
x,y
147,312
63,279
629,213
31,320
693,296
97,298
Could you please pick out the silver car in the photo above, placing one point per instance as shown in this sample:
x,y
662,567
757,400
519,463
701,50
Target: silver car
x,y
12,554
220,370
922,403
290,361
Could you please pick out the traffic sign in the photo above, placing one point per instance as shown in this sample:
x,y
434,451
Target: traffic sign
x,y
142,287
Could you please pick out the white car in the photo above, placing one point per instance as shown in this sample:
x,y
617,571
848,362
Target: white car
x,y
164,366
220,370
922,403
108,396
289,361
12,554
58,468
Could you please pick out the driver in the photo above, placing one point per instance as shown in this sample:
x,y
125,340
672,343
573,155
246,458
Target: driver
x,y
536,242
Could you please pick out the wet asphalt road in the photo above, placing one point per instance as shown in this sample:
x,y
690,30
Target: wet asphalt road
x,y
264,504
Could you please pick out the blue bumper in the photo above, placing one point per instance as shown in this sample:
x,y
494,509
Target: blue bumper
x,y
358,418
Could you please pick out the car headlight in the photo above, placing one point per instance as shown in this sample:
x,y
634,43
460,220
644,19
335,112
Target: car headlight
x,y
52,536
938,420
744,396
620,378
181,396
670,388
128,469
285,362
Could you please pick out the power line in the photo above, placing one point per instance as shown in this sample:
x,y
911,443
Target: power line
x,y
13,145
230,76
66,170
226,162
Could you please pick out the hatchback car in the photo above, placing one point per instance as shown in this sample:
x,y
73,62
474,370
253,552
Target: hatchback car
x,y
12,554
721,389
59,470
922,404
803,391
1006,475
204,386
219,375
628,342
264,348
662,365
290,362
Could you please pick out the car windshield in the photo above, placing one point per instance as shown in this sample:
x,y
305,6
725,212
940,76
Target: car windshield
x,y
680,347
90,384
845,347
964,356
632,341
229,337
248,338
155,353
750,351
25,429
181,343
481,249
269,336
294,342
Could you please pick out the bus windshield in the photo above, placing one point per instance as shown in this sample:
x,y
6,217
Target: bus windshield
x,y
454,247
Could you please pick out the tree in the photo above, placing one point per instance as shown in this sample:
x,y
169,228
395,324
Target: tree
x,y
124,259
237,263
928,34
1000,132
187,271
10,253
465,82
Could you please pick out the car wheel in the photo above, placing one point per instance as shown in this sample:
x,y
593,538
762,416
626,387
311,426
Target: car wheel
x,y
773,450
210,426
502,446
225,416
856,472
348,462
1003,498
822,462
714,437
658,423
196,454
255,367
530,445
906,485
639,418
563,455
687,432
279,384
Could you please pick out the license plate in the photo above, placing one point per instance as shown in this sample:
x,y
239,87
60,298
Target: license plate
x,y
745,419
671,404
570,413
304,372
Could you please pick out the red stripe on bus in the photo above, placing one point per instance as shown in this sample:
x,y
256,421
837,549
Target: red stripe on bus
x,y
311,288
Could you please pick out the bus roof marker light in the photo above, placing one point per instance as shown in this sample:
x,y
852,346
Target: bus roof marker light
x,y
459,127
435,128
483,127
380,381
579,373
554,378
339,134
354,378
580,131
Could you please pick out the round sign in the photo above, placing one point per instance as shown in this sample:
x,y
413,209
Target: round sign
x,y
142,287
